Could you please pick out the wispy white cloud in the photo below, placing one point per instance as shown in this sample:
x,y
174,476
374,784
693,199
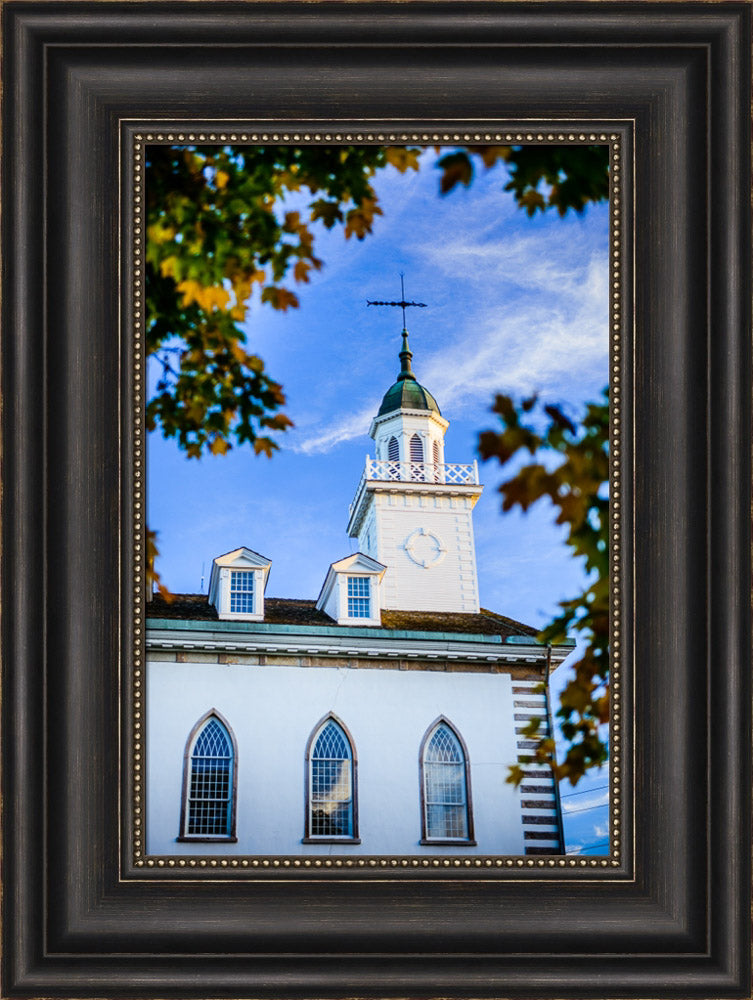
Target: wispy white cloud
x,y
549,329
534,318
344,427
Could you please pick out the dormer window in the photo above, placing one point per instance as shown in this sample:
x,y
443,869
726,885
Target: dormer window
x,y
358,597
236,586
242,591
351,591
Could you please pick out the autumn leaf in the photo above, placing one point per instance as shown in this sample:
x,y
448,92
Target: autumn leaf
x,y
219,446
279,298
169,267
359,221
153,578
532,200
301,270
572,481
456,169
402,157
328,211
265,445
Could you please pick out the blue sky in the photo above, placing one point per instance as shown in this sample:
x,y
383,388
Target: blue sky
x,y
515,304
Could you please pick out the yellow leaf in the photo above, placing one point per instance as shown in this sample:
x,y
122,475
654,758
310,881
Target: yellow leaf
x,y
210,298
191,291
265,445
238,353
490,154
214,297
167,267
221,178
159,233
401,158
219,446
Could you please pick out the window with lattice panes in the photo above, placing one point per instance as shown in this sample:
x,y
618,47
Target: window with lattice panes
x,y
359,601
445,786
209,783
331,784
242,591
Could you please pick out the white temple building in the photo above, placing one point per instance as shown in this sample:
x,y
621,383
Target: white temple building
x,y
380,718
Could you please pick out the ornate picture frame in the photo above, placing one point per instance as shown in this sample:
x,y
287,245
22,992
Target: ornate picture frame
x,y
668,915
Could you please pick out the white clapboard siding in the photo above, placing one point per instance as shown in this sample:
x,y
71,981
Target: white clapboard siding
x,y
538,799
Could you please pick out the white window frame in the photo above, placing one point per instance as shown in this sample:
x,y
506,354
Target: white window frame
x,y
426,836
225,592
323,838
354,578
229,836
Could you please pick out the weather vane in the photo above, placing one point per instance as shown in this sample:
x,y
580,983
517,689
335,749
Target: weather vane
x,y
402,303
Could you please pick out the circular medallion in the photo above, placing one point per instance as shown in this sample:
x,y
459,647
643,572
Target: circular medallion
x,y
425,548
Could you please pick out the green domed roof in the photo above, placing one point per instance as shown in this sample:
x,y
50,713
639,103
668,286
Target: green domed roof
x,y
406,393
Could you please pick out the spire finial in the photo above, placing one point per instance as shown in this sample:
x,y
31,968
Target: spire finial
x,y
405,353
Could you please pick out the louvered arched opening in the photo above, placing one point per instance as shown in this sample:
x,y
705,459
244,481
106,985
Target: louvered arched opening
x,y
416,447
393,457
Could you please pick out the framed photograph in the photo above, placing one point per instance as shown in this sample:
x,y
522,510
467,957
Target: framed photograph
x,y
285,729
345,661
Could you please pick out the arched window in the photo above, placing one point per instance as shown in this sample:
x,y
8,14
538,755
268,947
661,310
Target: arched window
x,y
331,783
417,457
209,781
445,786
437,462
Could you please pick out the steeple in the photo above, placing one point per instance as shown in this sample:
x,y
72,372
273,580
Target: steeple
x,y
412,512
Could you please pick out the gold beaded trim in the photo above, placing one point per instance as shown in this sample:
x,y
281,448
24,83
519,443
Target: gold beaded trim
x,y
563,132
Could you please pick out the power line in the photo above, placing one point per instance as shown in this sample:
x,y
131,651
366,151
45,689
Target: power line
x,y
589,847
585,791
583,809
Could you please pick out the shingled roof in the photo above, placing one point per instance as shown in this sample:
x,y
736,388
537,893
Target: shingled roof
x,y
289,611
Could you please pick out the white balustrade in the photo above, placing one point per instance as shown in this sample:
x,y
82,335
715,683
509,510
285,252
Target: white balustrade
x,y
383,470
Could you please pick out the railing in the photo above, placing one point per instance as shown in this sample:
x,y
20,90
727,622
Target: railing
x,y
416,472
420,472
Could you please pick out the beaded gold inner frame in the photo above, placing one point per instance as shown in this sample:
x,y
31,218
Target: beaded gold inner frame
x,y
619,136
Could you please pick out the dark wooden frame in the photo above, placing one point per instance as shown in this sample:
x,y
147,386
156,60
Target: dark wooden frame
x,y
307,836
78,921
230,838
470,840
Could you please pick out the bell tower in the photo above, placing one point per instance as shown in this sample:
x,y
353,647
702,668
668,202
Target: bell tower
x,y
413,511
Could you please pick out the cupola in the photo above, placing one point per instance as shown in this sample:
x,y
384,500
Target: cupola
x,y
406,393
